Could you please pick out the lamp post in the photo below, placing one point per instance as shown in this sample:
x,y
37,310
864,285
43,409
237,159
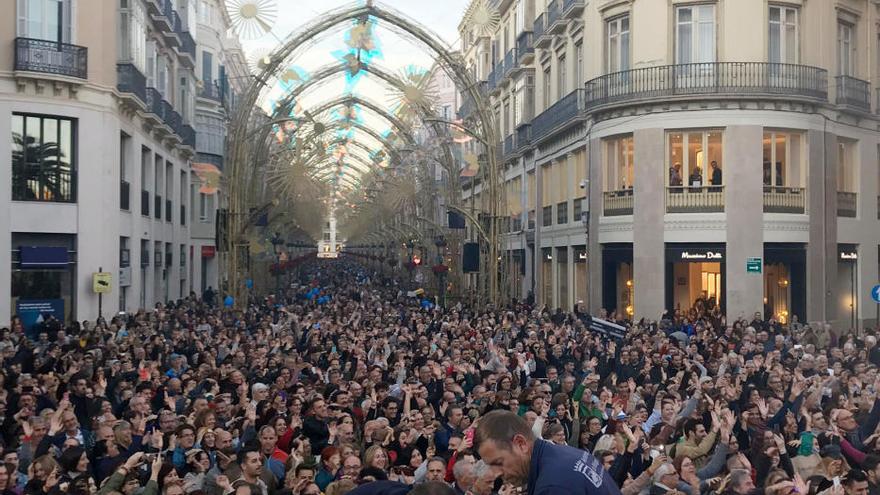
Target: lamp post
x,y
277,247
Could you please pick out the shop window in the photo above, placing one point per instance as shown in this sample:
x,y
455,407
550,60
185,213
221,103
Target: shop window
x,y
43,158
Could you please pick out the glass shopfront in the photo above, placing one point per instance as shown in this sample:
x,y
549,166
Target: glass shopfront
x,y
785,281
695,276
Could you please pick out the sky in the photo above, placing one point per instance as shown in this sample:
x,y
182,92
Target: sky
x,y
394,52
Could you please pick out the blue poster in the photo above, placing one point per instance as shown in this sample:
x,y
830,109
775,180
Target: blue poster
x,y
34,311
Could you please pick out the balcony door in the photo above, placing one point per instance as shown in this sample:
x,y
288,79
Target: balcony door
x,y
45,20
695,47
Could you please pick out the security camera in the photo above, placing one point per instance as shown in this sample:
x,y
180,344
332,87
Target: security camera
x,y
584,183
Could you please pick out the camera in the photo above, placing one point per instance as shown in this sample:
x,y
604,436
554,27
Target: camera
x,y
583,184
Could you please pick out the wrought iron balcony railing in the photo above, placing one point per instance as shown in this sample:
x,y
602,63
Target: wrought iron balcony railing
x,y
734,79
188,134
525,47
130,80
509,145
539,26
523,136
51,57
572,8
155,103
555,21
854,93
511,63
211,91
187,44
778,199
559,114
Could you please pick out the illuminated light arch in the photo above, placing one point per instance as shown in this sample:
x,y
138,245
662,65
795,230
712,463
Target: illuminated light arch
x,y
243,155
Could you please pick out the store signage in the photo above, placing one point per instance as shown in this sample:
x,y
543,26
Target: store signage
x,y
753,265
849,256
208,251
704,255
875,294
125,276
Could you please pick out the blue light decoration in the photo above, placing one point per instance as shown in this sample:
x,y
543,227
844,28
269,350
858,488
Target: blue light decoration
x,y
363,46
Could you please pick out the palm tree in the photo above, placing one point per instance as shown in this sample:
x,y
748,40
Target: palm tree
x,y
38,172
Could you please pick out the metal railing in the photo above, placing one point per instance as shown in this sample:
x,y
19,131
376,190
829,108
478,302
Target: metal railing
x,y
847,204
124,195
525,45
554,13
145,202
155,103
853,92
784,199
616,203
51,57
211,91
468,105
539,26
187,44
558,114
572,7
509,145
511,62
523,136
188,134
694,199
130,80
732,78
164,17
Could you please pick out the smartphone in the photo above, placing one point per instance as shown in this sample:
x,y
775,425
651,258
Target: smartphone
x,y
469,435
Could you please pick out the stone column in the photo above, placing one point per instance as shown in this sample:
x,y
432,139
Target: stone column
x,y
744,206
822,208
649,190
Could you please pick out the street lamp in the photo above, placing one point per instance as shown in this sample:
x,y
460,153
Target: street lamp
x,y
277,246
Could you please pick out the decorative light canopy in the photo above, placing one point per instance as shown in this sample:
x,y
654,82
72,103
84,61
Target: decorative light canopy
x,y
252,19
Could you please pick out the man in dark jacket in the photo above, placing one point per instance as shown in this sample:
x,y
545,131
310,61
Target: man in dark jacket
x,y
506,442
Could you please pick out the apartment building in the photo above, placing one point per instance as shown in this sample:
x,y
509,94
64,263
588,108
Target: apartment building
x,y
98,100
223,74
660,153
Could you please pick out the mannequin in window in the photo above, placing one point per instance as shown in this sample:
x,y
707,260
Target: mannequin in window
x,y
675,175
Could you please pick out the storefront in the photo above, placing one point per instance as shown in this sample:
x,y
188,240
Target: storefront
x,y
848,283
785,281
547,276
43,278
617,278
562,262
695,274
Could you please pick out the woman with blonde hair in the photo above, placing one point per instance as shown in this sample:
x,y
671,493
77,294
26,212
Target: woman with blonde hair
x,y
376,457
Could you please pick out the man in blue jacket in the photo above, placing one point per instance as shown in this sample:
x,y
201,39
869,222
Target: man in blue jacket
x,y
506,443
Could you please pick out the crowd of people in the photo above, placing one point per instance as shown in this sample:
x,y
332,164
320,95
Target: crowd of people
x,y
347,385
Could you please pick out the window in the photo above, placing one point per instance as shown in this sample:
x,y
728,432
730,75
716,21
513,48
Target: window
x,y
782,159
505,130
689,153
619,170
547,216
783,36
43,158
151,64
520,17
695,34
579,64
132,33
562,213
124,253
846,49
206,207
546,80
847,175
45,20
561,77
185,104
207,68
618,44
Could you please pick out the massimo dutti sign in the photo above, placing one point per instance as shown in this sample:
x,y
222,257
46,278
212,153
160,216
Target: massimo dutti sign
x,y
701,255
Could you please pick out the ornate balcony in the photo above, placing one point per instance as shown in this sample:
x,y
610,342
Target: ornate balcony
x,y
525,47
188,134
572,9
559,115
543,39
51,57
161,13
155,107
131,82
211,91
784,199
730,79
853,93
616,203
694,199
509,145
555,21
523,137
187,50
511,65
